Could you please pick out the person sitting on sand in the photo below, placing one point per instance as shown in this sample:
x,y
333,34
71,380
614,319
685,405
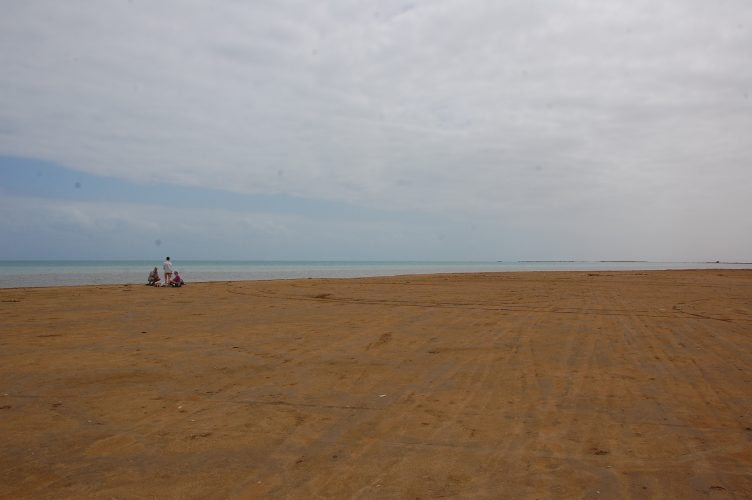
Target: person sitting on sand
x,y
154,278
177,281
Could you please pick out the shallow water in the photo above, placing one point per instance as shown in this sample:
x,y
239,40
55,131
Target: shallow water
x,y
60,273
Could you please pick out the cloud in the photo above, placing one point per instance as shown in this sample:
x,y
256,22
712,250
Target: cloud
x,y
75,229
118,222
539,112
85,229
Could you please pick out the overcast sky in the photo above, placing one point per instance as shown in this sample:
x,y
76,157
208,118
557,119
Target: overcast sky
x,y
444,129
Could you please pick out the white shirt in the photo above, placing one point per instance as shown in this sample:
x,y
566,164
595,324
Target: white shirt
x,y
167,266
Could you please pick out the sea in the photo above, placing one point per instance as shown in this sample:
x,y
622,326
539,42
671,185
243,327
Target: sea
x,y
36,273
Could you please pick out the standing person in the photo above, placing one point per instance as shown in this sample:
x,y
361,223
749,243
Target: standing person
x,y
167,266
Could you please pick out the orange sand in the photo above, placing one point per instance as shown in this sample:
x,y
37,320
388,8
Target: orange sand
x,y
514,385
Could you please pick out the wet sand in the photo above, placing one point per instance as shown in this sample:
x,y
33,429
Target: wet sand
x,y
510,385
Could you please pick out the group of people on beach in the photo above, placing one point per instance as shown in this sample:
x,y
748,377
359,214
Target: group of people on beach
x,y
171,278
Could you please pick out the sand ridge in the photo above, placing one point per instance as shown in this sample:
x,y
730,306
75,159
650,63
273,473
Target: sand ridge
x,y
495,385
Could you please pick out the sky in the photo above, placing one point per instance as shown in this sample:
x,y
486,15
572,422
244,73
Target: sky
x,y
390,130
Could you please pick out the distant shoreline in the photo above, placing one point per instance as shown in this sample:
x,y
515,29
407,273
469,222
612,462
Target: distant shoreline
x,y
733,263
72,277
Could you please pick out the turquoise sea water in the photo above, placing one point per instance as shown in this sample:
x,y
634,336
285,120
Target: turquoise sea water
x,y
59,273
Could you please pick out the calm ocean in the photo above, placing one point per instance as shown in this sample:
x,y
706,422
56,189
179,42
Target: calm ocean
x,y
59,273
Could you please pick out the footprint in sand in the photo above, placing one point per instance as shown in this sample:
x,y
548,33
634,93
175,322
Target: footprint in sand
x,y
383,339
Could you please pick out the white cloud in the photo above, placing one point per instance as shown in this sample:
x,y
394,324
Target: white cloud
x,y
545,112
44,228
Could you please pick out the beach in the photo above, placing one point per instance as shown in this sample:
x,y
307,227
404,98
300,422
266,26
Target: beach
x,y
623,384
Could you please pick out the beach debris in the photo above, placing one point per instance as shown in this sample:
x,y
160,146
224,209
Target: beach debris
x,y
598,451
202,435
382,395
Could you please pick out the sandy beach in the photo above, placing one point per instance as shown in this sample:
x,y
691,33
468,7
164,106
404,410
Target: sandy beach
x,y
509,385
